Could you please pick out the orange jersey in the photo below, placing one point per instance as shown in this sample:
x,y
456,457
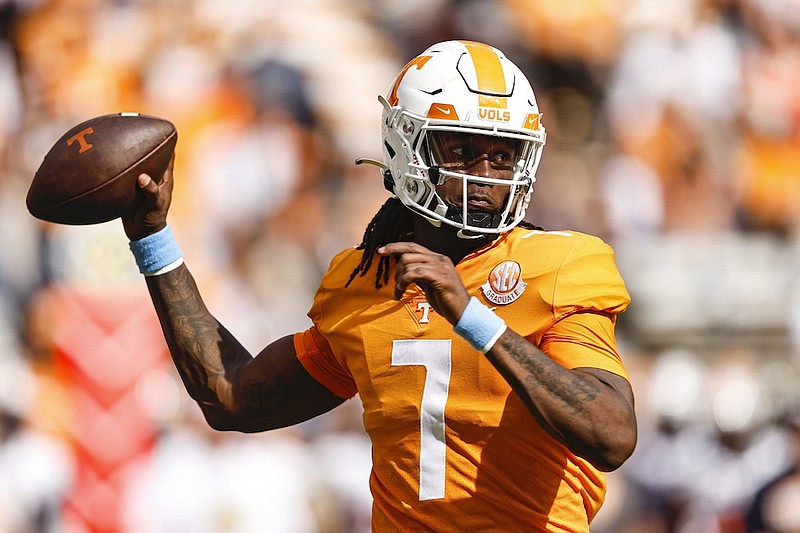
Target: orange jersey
x,y
454,448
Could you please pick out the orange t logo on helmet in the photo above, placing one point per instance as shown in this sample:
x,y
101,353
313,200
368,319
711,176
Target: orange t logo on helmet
x,y
418,62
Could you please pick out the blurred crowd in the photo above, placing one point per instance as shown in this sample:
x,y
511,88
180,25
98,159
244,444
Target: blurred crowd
x,y
673,133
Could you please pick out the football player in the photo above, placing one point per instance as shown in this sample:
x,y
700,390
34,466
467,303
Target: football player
x,y
482,348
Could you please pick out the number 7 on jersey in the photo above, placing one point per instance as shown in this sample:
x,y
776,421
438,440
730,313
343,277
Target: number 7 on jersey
x,y
434,355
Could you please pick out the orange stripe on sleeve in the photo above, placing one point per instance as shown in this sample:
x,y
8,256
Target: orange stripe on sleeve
x,y
316,356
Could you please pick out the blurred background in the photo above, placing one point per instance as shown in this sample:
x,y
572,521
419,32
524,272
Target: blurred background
x,y
673,133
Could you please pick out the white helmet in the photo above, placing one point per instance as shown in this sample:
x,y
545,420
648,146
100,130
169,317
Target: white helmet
x,y
455,88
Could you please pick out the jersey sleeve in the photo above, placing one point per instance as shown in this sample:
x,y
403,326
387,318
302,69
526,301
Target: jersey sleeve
x,y
317,358
588,279
588,295
584,339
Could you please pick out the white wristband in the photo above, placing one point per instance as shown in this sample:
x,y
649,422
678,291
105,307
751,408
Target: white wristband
x,y
479,326
169,268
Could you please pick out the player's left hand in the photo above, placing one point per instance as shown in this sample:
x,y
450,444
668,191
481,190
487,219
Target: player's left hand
x,y
434,273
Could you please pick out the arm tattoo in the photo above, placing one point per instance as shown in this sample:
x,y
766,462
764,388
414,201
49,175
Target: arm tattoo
x,y
192,333
234,389
544,373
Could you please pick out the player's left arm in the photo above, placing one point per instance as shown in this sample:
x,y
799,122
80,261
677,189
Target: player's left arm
x,y
590,410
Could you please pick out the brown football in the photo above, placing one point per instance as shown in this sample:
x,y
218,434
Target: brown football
x,y
89,175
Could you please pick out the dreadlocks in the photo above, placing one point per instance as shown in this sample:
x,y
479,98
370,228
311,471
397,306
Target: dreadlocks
x,y
393,222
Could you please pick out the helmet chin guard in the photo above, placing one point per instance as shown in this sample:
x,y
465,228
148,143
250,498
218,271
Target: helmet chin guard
x,y
471,90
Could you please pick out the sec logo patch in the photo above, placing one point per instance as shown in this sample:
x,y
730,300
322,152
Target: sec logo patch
x,y
505,283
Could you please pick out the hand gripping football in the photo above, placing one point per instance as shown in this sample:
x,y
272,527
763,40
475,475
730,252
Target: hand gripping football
x,y
89,175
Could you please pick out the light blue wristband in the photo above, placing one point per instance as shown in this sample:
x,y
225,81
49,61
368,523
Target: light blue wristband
x,y
479,326
157,253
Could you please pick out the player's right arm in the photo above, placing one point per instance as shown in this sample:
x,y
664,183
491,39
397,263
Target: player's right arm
x,y
235,390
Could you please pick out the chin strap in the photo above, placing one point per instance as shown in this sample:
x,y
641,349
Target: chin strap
x,y
477,219
471,235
